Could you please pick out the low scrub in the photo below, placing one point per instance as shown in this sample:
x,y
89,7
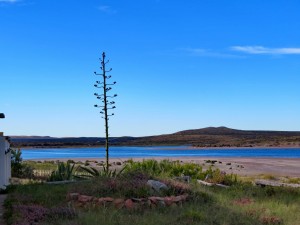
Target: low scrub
x,y
169,168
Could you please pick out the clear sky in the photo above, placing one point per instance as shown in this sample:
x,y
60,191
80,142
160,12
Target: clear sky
x,y
179,65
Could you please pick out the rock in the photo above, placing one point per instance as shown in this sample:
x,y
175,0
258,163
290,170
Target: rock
x,y
157,185
138,199
108,199
72,196
155,199
176,199
118,163
129,204
85,198
228,164
168,201
208,177
119,203
100,202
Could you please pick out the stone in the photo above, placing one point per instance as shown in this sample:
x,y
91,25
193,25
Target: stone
x,y
138,199
208,177
85,198
129,204
100,202
157,185
176,199
108,199
155,199
118,163
72,196
168,201
119,203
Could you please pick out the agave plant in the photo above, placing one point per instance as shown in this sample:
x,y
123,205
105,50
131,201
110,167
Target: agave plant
x,y
89,172
63,172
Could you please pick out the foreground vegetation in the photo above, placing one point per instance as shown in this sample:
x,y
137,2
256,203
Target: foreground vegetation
x,y
242,203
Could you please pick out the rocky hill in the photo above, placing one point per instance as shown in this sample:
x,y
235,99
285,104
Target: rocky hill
x,y
205,137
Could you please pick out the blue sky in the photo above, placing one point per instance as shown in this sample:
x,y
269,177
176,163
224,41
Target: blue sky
x,y
179,65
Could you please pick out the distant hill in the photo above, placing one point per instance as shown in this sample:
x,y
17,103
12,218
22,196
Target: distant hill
x,y
205,137
229,131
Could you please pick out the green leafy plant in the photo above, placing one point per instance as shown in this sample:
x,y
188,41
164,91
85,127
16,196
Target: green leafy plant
x,y
89,172
63,172
165,167
19,169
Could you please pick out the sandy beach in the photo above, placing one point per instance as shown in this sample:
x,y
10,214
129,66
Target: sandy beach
x,y
242,166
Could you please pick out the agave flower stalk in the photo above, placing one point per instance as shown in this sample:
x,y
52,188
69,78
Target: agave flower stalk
x,y
106,104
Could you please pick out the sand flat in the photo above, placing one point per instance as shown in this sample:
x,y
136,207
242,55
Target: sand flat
x,y
242,166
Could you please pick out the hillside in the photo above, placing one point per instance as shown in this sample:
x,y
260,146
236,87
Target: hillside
x,y
205,137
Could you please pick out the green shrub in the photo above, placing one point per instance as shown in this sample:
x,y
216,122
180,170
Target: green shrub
x,y
165,167
19,169
218,177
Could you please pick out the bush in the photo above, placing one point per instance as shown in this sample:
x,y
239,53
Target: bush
x,y
165,167
218,177
19,169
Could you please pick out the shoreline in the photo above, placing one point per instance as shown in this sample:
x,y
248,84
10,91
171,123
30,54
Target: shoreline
x,y
170,147
244,166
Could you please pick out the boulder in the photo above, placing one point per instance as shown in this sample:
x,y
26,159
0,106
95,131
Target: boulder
x,y
157,185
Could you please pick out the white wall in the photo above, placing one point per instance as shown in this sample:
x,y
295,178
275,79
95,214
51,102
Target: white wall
x,y
5,162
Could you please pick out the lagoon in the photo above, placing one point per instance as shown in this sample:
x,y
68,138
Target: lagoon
x,y
157,151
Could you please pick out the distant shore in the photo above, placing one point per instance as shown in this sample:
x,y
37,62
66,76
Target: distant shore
x,y
185,146
241,166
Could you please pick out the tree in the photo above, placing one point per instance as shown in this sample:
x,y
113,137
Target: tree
x,y
107,104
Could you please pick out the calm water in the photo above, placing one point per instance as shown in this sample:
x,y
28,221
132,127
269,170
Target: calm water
x,y
140,152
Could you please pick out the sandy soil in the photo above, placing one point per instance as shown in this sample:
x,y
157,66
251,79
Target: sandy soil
x,y
242,166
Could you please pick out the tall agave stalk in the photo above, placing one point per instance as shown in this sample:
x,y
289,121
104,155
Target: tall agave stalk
x,y
106,103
